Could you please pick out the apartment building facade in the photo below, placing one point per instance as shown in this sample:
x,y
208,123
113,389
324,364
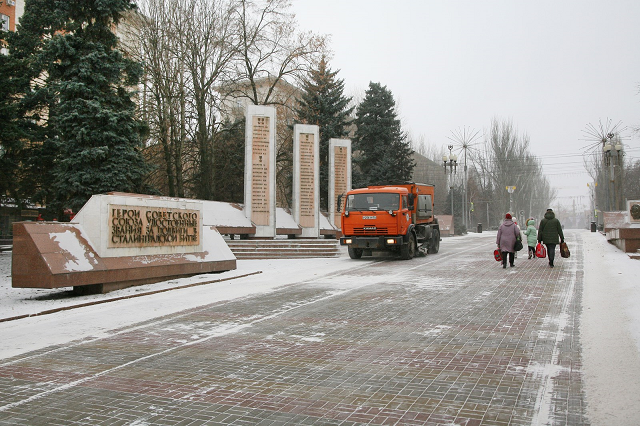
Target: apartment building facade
x,y
10,13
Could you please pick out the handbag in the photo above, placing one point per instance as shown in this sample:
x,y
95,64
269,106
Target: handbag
x,y
541,250
518,245
564,250
497,255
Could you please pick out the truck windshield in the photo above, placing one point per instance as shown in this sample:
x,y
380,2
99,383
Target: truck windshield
x,y
373,201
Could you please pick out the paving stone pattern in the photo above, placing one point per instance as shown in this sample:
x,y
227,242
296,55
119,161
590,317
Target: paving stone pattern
x,y
450,339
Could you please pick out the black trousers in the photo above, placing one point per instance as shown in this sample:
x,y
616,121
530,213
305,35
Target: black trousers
x,y
511,257
551,252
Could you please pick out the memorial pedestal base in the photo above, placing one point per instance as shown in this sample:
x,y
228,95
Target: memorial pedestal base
x,y
53,255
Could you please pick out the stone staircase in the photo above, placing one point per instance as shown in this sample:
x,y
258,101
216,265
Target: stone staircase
x,y
284,248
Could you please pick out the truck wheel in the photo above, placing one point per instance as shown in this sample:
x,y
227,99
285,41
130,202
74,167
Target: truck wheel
x,y
355,253
407,251
434,244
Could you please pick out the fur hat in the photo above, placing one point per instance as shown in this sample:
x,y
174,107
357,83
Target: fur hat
x,y
507,216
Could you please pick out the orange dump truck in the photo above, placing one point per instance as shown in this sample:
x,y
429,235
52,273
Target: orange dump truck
x,y
396,218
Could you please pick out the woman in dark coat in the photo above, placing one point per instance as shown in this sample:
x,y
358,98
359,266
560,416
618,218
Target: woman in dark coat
x,y
506,240
550,233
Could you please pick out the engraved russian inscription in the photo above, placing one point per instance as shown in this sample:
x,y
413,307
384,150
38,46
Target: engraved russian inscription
x,y
307,180
141,226
260,171
340,173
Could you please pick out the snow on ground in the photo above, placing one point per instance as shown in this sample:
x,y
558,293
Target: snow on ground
x,y
610,333
251,277
610,321
604,265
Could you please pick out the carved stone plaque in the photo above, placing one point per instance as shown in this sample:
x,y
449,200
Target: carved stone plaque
x,y
260,175
340,171
307,183
142,226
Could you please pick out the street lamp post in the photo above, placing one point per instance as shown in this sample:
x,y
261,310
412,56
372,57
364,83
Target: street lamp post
x,y
452,162
593,205
510,189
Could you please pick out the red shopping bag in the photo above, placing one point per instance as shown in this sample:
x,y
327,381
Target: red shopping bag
x,y
497,255
541,250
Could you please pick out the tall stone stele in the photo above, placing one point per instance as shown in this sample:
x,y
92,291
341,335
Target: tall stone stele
x,y
260,169
306,179
339,175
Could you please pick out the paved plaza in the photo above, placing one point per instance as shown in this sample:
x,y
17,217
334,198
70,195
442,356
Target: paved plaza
x,y
447,339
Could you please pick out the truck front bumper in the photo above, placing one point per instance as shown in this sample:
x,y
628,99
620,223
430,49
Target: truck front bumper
x,y
372,243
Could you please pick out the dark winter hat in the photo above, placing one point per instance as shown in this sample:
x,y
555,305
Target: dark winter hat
x,y
549,210
507,216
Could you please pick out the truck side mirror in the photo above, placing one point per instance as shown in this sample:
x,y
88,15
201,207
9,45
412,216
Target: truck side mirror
x,y
340,202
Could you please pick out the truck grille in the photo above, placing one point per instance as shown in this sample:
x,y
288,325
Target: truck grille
x,y
363,231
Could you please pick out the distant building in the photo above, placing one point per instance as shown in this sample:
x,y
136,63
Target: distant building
x,y
10,12
428,171
235,98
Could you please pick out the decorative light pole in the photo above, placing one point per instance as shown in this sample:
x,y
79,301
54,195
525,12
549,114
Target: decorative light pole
x,y
452,162
613,151
465,138
608,152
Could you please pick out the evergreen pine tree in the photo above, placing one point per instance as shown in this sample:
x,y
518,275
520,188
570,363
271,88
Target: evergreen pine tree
x,y
382,153
97,133
76,107
323,103
27,153
12,134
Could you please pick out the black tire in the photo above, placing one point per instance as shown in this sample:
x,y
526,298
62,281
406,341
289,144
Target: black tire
x,y
434,244
355,253
407,251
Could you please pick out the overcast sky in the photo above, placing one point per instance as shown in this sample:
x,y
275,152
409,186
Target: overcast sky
x,y
551,67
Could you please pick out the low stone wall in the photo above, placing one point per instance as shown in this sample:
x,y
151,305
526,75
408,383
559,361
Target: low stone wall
x,y
626,239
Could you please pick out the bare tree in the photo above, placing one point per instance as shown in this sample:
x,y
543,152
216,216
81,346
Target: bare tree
x,y
204,59
271,50
163,101
209,42
506,161
187,47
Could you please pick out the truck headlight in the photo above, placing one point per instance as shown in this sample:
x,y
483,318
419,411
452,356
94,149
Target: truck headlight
x,y
391,241
348,241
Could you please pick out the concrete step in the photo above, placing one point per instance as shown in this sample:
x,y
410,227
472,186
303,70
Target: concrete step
x,y
284,249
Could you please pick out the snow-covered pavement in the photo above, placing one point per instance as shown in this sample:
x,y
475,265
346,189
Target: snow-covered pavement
x,y
609,325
